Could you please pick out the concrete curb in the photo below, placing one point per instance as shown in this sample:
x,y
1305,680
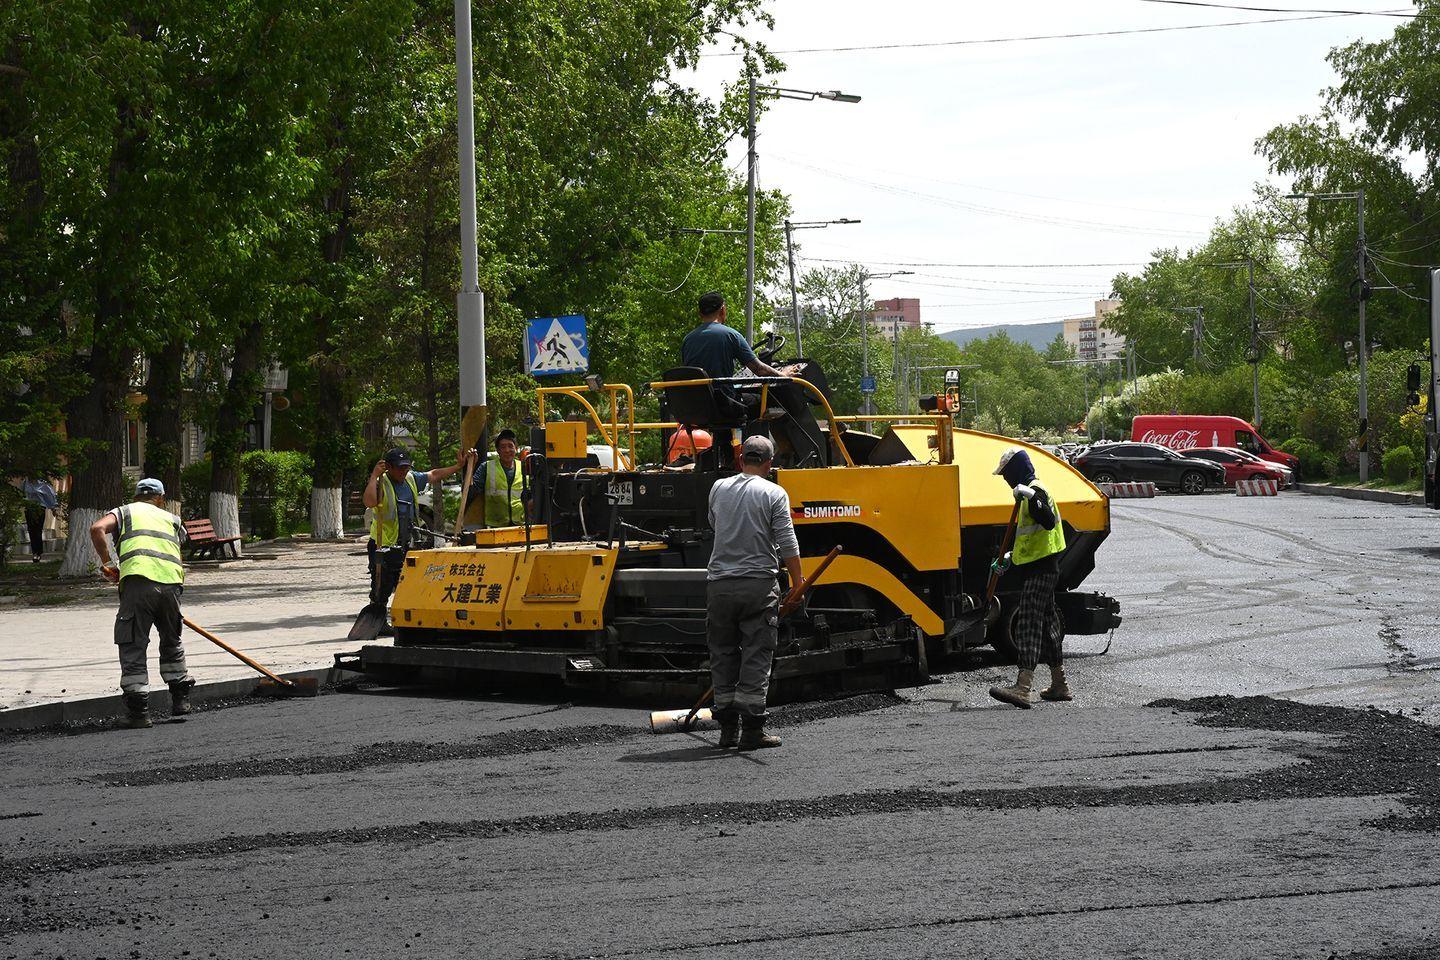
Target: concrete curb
x,y
89,709
1359,493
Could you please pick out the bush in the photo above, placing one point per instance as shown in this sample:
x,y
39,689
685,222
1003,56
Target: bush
x,y
195,488
277,485
1398,464
1314,462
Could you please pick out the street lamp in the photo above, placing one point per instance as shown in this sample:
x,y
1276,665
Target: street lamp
x,y
791,226
1359,197
1254,353
788,94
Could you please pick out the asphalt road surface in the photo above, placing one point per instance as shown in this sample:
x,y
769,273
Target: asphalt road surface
x,y
927,823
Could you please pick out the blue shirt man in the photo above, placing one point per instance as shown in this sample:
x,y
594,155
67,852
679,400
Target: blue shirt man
x,y
718,349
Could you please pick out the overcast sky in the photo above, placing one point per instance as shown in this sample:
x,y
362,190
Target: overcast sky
x,y
1136,142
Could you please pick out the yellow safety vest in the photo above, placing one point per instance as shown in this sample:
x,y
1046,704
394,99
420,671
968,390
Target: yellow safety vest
x,y
1032,541
149,543
385,521
504,496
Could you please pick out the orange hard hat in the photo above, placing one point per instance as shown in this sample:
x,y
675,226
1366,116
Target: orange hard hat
x,y
687,443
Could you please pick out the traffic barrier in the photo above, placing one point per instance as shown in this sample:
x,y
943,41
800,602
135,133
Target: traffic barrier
x,y
1257,487
1128,489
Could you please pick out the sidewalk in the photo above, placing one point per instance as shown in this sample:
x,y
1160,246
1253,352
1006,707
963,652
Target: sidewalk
x,y
1363,493
291,612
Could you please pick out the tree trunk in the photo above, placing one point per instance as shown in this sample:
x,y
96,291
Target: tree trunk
x,y
330,446
164,419
228,441
98,414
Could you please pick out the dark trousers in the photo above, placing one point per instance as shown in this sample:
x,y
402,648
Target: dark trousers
x,y
742,627
145,604
385,567
35,525
1038,633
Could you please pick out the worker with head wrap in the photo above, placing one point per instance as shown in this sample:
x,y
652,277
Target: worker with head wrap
x,y
1039,541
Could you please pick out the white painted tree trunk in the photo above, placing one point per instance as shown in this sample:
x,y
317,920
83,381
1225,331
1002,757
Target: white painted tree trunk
x,y
326,522
225,517
174,506
80,559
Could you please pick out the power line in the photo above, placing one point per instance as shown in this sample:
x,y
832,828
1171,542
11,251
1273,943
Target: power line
x,y
982,266
1015,193
1067,222
1250,9
1044,36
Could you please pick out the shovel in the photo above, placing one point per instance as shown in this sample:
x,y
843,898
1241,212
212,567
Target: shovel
x,y
273,685
992,607
683,721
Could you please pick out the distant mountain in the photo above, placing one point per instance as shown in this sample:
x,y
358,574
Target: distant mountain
x,y
1038,335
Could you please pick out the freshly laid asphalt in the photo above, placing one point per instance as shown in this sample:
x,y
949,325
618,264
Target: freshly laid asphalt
x,y
1262,808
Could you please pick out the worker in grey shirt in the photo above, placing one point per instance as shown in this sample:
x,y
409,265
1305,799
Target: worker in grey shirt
x,y
753,535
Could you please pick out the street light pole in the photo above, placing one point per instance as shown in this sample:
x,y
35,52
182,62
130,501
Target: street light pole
x,y
750,218
1254,341
790,228
469,301
753,92
865,314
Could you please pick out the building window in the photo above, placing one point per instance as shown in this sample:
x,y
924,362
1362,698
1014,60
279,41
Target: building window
x,y
132,443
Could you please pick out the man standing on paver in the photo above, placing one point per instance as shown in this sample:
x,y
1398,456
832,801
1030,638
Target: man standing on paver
x,y
151,578
1039,539
753,534
392,494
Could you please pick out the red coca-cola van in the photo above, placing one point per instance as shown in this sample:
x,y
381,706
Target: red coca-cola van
x,y
1183,431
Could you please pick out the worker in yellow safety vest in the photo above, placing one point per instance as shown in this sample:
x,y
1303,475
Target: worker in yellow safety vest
x,y
501,485
1039,541
151,578
392,494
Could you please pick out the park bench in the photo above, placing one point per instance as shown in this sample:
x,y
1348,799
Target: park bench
x,y
201,541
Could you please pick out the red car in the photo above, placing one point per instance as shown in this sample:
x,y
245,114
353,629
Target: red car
x,y
1240,465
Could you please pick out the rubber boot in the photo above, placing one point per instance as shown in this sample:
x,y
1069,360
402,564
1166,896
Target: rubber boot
x,y
1017,695
753,735
137,710
180,697
1059,690
729,720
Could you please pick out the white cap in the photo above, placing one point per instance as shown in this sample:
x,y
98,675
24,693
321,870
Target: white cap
x,y
1005,458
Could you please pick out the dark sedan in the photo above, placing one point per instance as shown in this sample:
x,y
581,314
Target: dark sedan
x,y
1111,462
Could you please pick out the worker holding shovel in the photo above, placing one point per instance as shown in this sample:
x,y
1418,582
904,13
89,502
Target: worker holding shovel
x,y
753,535
151,578
1039,540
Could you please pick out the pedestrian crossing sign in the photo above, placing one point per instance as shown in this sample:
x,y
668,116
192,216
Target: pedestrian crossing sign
x,y
555,345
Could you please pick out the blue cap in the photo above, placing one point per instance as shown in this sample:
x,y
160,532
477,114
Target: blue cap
x,y
149,487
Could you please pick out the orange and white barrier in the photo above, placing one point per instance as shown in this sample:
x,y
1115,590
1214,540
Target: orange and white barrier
x,y
1258,487
1128,489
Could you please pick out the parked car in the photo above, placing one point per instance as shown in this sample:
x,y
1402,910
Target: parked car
x,y
1240,465
1111,462
1185,431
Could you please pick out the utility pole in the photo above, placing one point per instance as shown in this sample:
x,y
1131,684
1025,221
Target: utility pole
x,y
1197,330
867,310
1254,340
790,228
753,92
750,216
1364,342
469,301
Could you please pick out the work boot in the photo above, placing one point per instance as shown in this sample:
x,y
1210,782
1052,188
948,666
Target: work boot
x,y
1059,690
1017,695
180,697
729,720
753,735
137,710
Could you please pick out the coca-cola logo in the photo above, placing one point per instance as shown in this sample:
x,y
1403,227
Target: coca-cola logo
x,y
1179,440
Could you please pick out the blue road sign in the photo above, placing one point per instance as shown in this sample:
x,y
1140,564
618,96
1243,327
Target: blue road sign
x,y
867,384
555,345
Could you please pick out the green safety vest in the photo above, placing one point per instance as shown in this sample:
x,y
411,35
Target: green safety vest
x,y
504,497
1032,541
385,519
149,543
